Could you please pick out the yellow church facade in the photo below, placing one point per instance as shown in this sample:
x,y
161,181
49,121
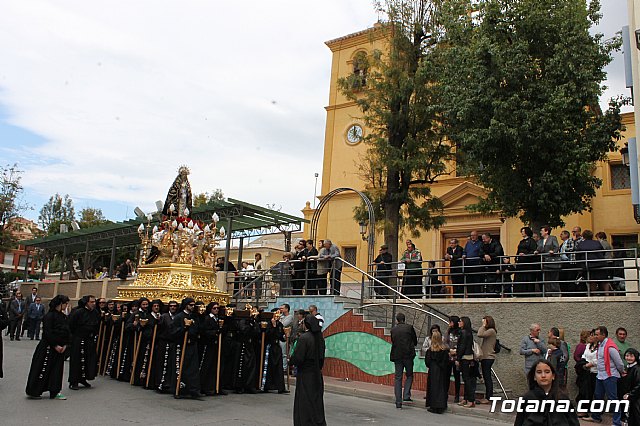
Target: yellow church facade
x,y
612,210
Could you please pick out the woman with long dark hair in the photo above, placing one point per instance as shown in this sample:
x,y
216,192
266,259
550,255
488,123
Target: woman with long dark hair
x,y
450,338
468,365
543,386
47,365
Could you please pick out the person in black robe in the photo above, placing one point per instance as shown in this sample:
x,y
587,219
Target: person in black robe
x,y
228,330
118,319
47,364
103,344
186,372
437,361
272,372
163,365
129,338
4,323
144,368
209,339
144,333
308,358
244,333
83,361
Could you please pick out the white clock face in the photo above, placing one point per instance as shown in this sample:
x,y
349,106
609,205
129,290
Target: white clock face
x,y
354,134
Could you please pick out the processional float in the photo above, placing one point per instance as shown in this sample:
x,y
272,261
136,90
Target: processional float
x,y
178,254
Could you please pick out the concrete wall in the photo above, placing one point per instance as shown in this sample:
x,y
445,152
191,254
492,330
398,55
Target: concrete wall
x,y
513,318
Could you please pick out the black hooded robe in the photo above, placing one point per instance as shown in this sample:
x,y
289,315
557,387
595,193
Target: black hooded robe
x,y
190,376
4,322
47,365
208,348
145,336
308,357
163,365
438,379
83,362
272,371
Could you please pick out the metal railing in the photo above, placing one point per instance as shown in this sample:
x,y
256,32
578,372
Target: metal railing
x,y
590,273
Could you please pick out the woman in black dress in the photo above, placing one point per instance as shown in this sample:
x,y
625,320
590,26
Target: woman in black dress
x,y
48,359
437,361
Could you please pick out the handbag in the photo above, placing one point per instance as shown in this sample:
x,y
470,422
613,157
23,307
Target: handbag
x,y
497,347
477,351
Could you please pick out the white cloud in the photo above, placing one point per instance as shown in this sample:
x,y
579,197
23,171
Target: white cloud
x,y
123,92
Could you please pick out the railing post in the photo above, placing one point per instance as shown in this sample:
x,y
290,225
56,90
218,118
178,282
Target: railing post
x,y
362,290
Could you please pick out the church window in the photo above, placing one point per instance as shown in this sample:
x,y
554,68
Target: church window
x,y
620,176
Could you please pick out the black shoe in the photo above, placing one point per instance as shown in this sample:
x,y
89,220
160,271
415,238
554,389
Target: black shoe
x,y
12,339
222,392
178,396
17,338
74,386
398,405
32,338
283,391
407,400
251,390
85,384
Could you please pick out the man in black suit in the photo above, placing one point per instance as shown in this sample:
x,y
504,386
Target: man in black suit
x,y
454,256
403,351
35,313
16,314
29,300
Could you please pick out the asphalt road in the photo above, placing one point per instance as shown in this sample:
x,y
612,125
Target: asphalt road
x,y
119,403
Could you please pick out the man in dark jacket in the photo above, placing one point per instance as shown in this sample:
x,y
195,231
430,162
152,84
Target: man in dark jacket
x,y
35,313
490,253
17,309
403,351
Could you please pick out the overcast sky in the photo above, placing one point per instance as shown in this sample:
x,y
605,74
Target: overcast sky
x,y
105,100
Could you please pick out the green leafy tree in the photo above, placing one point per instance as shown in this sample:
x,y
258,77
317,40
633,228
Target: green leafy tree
x,y
11,204
206,197
55,212
90,216
406,148
522,80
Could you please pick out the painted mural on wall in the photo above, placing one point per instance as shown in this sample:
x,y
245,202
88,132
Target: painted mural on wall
x,y
355,349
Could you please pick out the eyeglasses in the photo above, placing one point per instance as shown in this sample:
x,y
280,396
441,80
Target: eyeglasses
x,y
192,304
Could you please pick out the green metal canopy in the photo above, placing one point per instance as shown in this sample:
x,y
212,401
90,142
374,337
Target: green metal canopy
x,y
240,218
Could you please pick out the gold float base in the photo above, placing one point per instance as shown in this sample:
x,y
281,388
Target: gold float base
x,y
174,281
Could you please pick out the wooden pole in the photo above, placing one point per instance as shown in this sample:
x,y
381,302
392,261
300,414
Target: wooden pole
x,y
263,327
104,367
120,345
100,345
287,333
153,343
221,324
184,344
135,358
